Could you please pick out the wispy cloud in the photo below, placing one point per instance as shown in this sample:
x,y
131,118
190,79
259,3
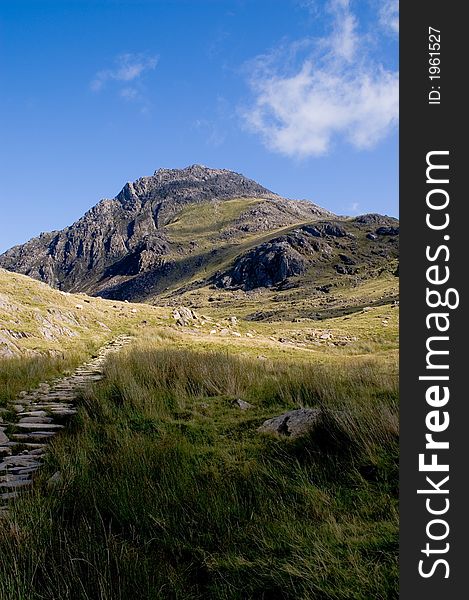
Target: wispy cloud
x,y
389,15
316,91
213,135
125,77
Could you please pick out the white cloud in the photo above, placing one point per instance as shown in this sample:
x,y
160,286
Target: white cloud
x,y
127,68
337,92
389,15
213,135
129,93
344,39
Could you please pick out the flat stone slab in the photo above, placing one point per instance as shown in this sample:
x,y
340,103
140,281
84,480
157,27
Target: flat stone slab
x,y
38,451
33,436
23,471
38,426
9,496
9,477
13,485
33,445
18,461
55,406
30,420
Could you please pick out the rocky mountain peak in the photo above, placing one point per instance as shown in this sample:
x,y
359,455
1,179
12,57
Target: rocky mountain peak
x,y
194,171
135,234
196,183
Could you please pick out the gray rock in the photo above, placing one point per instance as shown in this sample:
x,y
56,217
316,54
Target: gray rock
x,y
3,436
36,420
242,404
184,316
294,423
325,229
264,266
387,231
375,219
55,479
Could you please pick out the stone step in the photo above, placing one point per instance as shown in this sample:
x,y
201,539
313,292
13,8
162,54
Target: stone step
x,y
56,406
14,485
22,470
20,461
33,436
32,446
37,420
13,477
37,426
9,495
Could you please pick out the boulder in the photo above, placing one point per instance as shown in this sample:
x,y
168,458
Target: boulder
x,y
294,423
184,316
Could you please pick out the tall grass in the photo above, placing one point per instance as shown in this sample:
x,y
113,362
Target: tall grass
x,y
23,373
168,491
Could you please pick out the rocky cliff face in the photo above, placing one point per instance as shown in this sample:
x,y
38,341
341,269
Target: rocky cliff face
x,y
127,237
349,247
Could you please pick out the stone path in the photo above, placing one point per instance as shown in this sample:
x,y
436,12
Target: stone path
x,y
41,414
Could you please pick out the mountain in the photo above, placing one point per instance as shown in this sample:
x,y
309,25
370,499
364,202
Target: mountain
x,y
178,232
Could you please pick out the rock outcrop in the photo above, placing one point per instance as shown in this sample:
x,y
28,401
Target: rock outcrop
x,y
264,266
331,248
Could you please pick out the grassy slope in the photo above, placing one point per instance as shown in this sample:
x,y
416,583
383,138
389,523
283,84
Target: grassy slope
x,y
168,491
50,332
196,231
199,222
23,300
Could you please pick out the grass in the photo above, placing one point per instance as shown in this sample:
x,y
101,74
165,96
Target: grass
x,y
200,222
17,374
38,323
168,491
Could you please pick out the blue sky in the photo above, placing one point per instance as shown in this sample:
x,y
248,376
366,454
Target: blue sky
x,y
300,95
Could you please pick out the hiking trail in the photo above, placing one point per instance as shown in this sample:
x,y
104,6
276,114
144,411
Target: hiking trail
x,y
40,414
